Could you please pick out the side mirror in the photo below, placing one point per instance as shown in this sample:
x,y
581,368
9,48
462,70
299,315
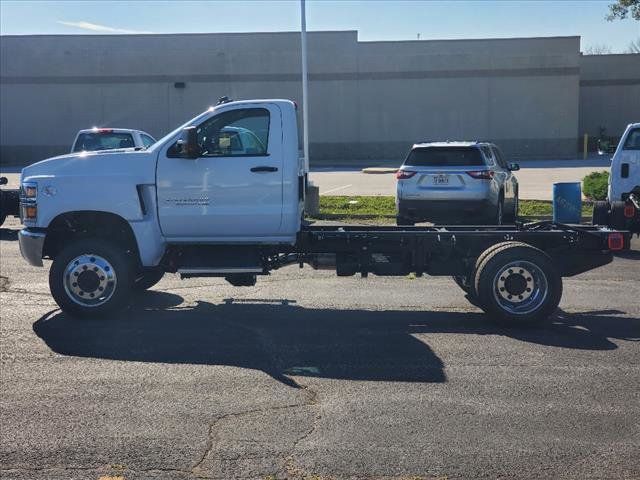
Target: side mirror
x,y
514,167
187,146
3,180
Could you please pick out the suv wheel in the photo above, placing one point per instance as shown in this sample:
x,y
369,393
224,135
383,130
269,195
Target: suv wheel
x,y
499,215
513,215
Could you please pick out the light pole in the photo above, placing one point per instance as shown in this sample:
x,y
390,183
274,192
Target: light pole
x,y
305,90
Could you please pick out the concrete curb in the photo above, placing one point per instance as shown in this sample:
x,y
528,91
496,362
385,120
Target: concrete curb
x,y
378,170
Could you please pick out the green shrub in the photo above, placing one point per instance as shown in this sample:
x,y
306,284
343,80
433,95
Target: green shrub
x,y
594,185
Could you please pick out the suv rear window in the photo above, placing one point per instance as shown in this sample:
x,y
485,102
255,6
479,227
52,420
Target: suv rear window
x,y
93,141
444,157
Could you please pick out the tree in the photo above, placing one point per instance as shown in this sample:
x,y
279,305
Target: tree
x,y
634,46
621,8
597,49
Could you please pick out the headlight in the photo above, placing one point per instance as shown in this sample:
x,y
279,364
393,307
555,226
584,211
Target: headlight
x,y
29,191
29,202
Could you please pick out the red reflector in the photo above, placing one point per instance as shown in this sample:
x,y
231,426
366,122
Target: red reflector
x,y
615,241
481,174
629,210
404,174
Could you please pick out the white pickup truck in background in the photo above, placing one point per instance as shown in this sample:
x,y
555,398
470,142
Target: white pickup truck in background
x,y
98,139
223,196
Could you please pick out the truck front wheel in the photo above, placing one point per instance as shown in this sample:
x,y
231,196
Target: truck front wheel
x,y
518,285
91,277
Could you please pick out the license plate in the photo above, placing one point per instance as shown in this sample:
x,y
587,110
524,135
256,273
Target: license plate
x,y
440,179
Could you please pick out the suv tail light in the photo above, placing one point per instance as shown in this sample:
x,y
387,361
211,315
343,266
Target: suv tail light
x,y
615,241
404,174
481,174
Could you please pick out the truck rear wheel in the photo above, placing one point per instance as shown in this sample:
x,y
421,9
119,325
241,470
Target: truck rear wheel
x,y
518,285
600,213
91,277
471,279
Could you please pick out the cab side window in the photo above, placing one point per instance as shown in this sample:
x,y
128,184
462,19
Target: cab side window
x,y
242,132
633,140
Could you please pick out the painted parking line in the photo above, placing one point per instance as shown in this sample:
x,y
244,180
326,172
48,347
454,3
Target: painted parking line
x,y
336,189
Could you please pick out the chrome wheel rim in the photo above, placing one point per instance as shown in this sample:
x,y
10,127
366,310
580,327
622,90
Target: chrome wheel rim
x,y
520,287
90,280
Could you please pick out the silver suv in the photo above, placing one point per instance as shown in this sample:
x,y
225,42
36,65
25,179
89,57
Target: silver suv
x,y
454,182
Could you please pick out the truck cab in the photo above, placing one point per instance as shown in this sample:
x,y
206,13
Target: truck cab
x,y
622,208
624,177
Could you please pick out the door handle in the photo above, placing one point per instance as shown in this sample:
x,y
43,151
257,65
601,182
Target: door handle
x,y
264,169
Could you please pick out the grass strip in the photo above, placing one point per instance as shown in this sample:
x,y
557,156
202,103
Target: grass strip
x,y
383,207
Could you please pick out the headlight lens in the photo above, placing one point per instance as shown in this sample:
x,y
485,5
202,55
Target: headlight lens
x,y
30,190
29,202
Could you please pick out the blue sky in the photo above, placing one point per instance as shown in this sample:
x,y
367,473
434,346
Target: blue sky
x,y
374,20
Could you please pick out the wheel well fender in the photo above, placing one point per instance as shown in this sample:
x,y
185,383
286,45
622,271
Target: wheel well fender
x,y
86,224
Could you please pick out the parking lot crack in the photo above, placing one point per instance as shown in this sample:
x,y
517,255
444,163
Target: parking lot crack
x,y
290,466
212,439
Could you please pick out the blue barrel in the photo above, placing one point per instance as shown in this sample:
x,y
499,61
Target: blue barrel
x,y
567,202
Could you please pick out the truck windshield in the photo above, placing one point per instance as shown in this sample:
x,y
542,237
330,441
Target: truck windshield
x,y
92,141
444,157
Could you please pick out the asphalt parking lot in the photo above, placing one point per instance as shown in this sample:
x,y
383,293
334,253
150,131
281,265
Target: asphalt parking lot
x,y
309,376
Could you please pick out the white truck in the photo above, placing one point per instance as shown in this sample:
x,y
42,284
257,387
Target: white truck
x,y
103,139
622,207
196,204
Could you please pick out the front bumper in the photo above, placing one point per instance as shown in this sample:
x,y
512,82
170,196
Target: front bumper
x,y
31,245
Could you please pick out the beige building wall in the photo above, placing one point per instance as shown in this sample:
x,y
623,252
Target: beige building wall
x,y
369,101
609,93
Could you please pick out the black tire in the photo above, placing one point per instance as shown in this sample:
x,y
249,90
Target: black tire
x,y
148,278
480,259
466,284
498,216
463,282
513,215
92,252
618,220
600,213
404,221
529,275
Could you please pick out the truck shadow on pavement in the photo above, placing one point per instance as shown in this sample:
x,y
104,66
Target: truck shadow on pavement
x,y
282,339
